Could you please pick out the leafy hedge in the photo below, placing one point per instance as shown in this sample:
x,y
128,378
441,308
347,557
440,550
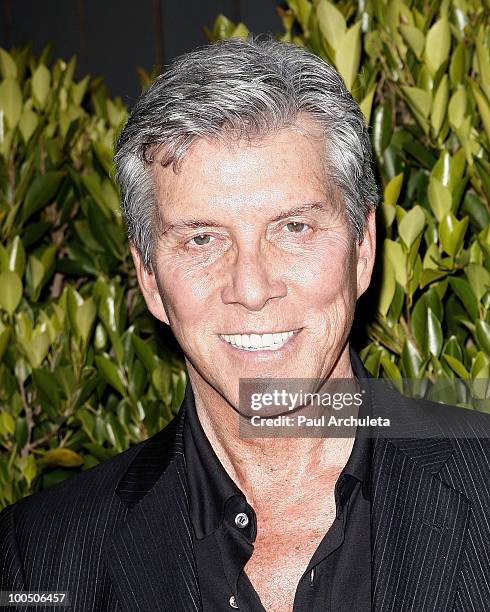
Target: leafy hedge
x,y
420,71
84,372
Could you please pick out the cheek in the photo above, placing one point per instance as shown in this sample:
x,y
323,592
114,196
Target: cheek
x,y
187,295
327,274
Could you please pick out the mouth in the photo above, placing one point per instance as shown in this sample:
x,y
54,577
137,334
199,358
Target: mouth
x,y
260,344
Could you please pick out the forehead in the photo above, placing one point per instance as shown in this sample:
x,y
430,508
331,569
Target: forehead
x,y
291,158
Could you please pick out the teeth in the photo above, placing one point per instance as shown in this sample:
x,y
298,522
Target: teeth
x,y
255,342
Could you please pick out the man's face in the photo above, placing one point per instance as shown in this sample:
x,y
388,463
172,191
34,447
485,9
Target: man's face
x,y
239,269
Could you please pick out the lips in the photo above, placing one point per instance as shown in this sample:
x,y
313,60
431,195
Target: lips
x,y
256,342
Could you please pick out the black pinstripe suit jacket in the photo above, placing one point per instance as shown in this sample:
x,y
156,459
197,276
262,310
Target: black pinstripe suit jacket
x,y
117,536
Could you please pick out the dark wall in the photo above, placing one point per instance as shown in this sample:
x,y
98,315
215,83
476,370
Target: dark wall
x,y
113,37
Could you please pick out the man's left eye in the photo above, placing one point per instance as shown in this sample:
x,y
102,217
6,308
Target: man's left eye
x,y
201,239
297,226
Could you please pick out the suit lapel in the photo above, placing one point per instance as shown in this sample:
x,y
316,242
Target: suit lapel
x,y
418,523
151,559
418,529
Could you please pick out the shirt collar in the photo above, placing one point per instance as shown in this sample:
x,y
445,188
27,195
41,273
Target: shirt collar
x,y
210,485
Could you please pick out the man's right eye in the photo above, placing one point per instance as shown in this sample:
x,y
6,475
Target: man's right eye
x,y
200,237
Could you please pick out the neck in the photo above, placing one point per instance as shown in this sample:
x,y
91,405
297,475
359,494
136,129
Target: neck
x,y
271,471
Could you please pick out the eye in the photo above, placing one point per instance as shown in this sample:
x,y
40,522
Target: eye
x,y
201,240
297,226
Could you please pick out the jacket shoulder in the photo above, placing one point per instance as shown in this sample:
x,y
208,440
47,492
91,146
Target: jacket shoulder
x,y
85,493
440,419
458,421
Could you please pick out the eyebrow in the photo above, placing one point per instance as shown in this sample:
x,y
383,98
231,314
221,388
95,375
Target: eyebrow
x,y
198,223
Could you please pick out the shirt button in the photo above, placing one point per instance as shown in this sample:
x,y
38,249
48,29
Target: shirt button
x,y
241,520
233,602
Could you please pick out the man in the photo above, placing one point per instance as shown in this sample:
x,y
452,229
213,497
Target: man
x,y
250,202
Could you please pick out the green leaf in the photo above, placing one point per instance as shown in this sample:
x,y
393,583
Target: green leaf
x,y
110,373
439,198
457,66
366,104
483,107
7,424
47,385
482,331
38,348
451,233
393,189
4,258
8,67
463,290
73,301
41,81
115,433
348,54
145,353
476,210
5,333
439,105
63,457
11,292
479,279
393,252
332,23
484,173
457,107
433,334
11,101
418,323
34,276
28,124
388,287
382,132
28,468
41,192
179,382
106,232
411,360
16,256
412,225
479,365
85,317
240,31
418,99
452,347
457,366
161,379
109,308
415,39
437,44
392,371
396,305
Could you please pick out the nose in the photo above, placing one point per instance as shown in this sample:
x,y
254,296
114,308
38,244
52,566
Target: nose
x,y
253,281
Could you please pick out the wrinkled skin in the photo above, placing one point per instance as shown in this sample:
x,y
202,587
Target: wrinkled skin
x,y
305,271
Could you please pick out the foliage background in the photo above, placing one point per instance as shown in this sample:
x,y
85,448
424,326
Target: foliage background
x,y
84,370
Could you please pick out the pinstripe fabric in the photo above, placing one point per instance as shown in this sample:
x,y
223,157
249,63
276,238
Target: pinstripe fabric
x,y
118,536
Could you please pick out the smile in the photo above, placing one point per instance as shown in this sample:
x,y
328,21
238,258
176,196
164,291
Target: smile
x,y
259,342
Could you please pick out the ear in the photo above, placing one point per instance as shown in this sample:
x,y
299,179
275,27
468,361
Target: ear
x,y
149,287
366,253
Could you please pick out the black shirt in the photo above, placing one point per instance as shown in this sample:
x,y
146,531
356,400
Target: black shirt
x,y
338,576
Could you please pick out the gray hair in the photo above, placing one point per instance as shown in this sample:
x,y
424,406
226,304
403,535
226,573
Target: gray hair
x,y
246,88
